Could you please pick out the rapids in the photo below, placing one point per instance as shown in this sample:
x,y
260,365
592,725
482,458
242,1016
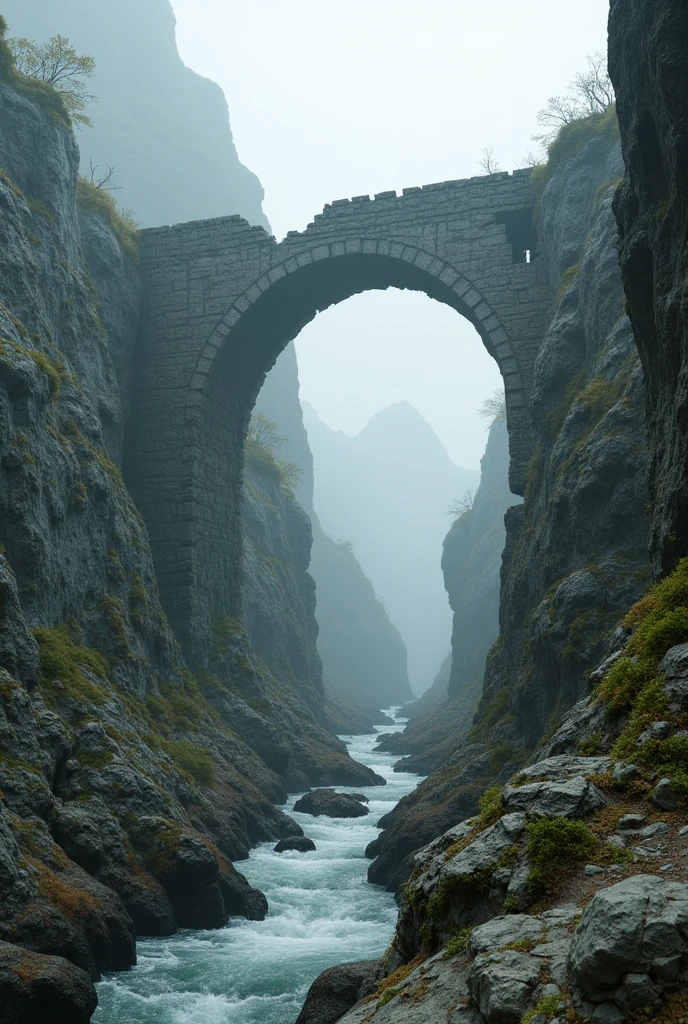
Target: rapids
x,y
322,912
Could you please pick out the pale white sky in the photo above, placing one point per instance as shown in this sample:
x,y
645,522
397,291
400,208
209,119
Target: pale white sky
x,y
336,98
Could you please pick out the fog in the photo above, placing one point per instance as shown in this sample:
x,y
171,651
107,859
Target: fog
x,y
331,100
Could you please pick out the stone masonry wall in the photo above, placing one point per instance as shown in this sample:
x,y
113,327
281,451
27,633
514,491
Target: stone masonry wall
x,y
222,299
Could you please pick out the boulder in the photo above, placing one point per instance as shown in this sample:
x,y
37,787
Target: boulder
x,y
34,987
502,985
187,869
638,926
565,766
361,797
673,668
655,731
665,796
570,798
302,844
239,896
330,804
336,990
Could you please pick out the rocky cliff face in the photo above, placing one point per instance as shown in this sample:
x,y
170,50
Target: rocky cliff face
x,y
647,45
164,128
363,655
575,556
387,490
576,550
127,786
435,736
471,562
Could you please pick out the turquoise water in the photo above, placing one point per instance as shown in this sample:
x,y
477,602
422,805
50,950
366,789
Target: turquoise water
x,y
322,912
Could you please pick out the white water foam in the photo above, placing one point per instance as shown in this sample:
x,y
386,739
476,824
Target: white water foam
x,y
322,912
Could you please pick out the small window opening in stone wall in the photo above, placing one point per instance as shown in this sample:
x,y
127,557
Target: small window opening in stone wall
x,y
520,233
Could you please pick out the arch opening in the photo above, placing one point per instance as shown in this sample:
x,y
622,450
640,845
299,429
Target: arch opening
x,y
231,371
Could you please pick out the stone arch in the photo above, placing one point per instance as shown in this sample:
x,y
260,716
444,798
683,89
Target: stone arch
x,y
443,282
231,368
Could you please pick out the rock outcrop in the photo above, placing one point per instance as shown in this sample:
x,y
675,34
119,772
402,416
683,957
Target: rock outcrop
x,y
128,786
647,44
331,804
336,990
35,987
471,563
301,844
164,128
561,900
363,655
575,555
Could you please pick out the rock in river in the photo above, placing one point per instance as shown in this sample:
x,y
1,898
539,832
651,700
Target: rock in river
x,y
331,804
300,843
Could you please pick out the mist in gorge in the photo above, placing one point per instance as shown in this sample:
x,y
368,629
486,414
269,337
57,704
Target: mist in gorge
x,y
343,547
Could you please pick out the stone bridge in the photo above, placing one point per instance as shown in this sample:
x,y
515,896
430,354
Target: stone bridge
x,y
221,299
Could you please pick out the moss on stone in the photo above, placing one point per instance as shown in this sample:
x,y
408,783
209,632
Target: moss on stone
x,y
495,710
491,806
191,759
457,944
66,668
41,361
122,224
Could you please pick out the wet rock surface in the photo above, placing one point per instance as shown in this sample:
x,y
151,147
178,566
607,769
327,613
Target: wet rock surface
x,y
302,844
331,804
648,68
43,988
336,990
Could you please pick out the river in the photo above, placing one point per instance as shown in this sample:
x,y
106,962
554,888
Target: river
x,y
322,912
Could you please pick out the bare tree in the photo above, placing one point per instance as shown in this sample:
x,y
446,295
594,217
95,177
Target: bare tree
x,y
104,182
594,86
488,162
57,64
590,92
493,408
462,505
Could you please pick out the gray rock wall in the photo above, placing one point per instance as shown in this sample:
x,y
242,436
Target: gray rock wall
x,y
576,555
363,655
647,43
129,786
164,128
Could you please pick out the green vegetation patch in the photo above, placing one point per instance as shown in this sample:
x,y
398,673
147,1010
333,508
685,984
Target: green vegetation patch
x,y
191,759
496,710
491,806
124,227
64,662
632,689
570,140
457,944
553,843
41,361
549,1007
388,995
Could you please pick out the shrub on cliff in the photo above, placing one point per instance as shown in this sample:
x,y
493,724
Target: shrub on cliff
x,y
262,447
55,65
97,200
632,688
